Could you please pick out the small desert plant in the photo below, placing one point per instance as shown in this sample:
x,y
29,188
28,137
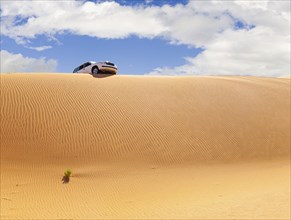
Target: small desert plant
x,y
68,173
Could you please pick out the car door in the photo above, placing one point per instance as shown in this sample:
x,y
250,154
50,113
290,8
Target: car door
x,y
88,67
85,68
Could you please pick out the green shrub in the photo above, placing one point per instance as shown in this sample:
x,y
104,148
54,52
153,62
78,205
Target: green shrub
x,y
68,173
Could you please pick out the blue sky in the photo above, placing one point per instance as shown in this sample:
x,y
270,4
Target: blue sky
x,y
160,37
132,55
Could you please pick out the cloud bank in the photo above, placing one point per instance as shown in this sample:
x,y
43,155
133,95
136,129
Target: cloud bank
x,y
238,37
15,63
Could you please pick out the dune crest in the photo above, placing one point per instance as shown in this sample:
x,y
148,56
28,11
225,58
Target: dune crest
x,y
171,119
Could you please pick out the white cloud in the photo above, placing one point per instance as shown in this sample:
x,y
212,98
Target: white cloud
x,y
261,50
103,20
11,63
258,52
148,1
41,48
179,23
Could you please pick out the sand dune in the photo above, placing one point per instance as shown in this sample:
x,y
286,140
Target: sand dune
x,y
144,147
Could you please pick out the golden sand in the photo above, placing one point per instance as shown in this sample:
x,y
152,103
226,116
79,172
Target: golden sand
x,y
144,147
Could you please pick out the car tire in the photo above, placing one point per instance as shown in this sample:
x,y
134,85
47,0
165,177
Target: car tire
x,y
95,70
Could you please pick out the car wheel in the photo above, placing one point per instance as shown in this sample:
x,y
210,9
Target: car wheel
x,y
95,70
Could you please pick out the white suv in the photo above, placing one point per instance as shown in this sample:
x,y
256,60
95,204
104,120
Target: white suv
x,y
96,67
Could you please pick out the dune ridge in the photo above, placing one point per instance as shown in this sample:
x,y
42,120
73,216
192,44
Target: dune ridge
x,y
144,146
171,119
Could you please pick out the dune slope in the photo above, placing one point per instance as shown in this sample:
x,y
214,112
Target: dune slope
x,y
144,147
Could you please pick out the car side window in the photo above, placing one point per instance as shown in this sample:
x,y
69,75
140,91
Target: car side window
x,y
86,64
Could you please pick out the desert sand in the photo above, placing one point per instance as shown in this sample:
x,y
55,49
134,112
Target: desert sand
x,y
145,147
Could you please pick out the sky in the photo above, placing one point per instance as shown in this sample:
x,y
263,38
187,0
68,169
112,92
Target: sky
x,y
155,37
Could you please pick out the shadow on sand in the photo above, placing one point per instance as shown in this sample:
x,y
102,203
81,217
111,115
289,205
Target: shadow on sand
x,y
102,75
66,179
